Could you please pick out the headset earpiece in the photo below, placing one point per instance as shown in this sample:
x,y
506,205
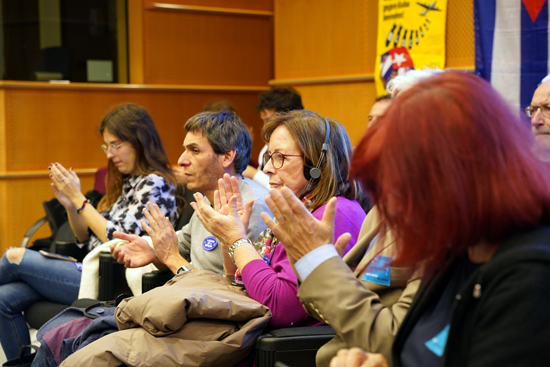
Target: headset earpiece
x,y
314,173
310,171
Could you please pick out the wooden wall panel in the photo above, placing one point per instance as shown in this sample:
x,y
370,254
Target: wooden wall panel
x,y
346,103
196,48
319,38
45,124
44,127
2,133
135,41
5,240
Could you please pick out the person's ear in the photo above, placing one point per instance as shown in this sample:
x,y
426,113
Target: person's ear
x,y
228,158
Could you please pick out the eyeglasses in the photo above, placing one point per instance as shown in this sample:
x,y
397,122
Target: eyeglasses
x,y
532,110
277,159
111,147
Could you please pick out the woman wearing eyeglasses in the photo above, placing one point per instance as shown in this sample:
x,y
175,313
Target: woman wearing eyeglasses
x,y
295,147
139,172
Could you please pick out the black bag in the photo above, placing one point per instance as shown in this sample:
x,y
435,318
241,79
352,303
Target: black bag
x,y
23,360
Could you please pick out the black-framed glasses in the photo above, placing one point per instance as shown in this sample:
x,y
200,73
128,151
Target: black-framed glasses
x,y
532,110
111,148
277,158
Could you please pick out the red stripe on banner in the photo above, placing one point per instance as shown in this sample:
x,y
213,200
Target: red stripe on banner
x,y
533,8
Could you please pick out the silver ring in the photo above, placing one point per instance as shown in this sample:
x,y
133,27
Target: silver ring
x,y
63,179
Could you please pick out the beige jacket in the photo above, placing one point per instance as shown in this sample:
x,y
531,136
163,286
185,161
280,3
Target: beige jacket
x,y
196,319
363,314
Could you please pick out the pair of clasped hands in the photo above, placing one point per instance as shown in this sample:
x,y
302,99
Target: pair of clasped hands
x,y
66,186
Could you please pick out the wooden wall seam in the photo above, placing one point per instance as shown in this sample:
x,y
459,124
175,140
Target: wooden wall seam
x,y
3,134
135,41
44,173
137,87
338,79
208,9
323,80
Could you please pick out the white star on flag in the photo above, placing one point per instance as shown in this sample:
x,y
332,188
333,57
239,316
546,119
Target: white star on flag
x,y
399,59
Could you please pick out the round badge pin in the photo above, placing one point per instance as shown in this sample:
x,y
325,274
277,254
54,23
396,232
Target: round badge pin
x,y
209,243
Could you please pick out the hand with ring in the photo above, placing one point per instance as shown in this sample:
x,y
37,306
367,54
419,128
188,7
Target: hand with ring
x,y
66,186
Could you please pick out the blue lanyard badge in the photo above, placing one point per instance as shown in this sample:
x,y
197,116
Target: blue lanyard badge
x,y
379,271
209,243
438,342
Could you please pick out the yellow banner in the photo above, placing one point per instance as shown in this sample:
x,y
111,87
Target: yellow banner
x,y
411,35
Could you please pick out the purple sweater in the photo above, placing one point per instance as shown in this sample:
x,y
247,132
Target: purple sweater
x,y
275,285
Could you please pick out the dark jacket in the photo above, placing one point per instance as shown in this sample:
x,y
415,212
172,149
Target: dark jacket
x,y
500,317
57,336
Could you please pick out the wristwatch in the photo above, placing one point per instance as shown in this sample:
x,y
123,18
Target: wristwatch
x,y
234,246
185,268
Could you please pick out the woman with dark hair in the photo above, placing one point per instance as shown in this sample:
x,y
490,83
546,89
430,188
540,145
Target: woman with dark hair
x,y
450,168
139,172
299,142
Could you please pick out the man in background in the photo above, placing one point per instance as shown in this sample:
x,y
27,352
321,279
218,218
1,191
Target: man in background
x,y
379,107
539,112
269,103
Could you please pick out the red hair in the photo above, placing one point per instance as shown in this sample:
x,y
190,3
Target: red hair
x,y
449,165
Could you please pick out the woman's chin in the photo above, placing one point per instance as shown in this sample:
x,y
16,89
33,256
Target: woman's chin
x,y
124,170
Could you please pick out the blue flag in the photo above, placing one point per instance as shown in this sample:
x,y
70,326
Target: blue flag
x,y
511,40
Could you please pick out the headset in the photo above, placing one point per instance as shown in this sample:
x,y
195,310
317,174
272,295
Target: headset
x,y
314,173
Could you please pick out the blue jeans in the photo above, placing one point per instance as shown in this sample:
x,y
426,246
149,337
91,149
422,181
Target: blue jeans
x,y
34,279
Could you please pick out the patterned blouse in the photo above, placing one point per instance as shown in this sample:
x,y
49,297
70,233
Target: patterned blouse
x,y
125,215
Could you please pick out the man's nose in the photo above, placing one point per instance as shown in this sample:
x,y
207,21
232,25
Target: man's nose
x,y
183,160
537,119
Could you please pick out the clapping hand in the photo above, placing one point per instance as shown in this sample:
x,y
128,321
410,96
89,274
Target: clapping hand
x,y
133,254
227,188
297,228
163,235
66,186
228,221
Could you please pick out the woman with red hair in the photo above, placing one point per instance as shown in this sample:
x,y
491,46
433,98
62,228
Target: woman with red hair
x,y
450,168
